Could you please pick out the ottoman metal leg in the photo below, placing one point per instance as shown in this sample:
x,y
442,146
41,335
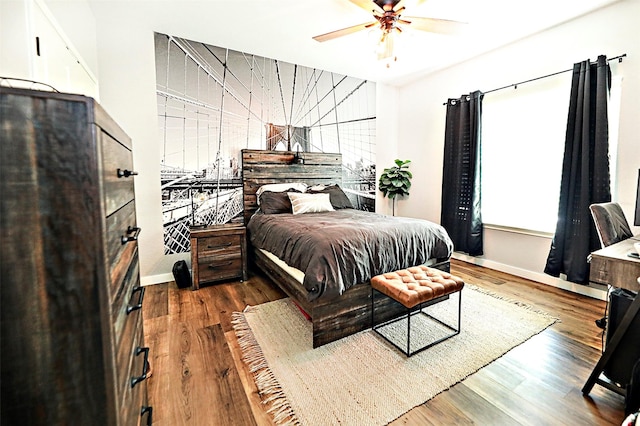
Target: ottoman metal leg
x,y
455,329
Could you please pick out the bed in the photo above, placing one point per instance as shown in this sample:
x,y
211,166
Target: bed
x,y
334,292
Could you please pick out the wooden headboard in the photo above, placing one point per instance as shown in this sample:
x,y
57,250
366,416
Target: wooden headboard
x,y
263,167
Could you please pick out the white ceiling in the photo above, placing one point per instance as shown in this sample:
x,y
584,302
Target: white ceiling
x,y
283,29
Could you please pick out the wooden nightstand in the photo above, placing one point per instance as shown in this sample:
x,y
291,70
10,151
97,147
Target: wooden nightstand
x,y
218,252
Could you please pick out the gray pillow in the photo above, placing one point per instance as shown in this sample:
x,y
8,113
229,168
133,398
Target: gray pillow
x,y
339,199
275,202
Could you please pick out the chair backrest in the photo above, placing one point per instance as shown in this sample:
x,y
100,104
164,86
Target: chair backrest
x,y
611,224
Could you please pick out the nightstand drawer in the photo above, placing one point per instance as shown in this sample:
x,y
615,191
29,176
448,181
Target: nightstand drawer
x,y
219,245
220,269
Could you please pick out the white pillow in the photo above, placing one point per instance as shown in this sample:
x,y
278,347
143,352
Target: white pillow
x,y
309,203
281,187
317,187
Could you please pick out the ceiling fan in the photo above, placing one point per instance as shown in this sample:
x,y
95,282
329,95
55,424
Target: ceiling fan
x,y
387,14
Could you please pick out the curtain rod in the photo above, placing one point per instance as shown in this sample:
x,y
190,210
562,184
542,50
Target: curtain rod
x,y
515,85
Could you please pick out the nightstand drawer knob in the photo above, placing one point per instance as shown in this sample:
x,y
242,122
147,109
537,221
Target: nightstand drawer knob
x,y
140,290
220,246
220,265
145,366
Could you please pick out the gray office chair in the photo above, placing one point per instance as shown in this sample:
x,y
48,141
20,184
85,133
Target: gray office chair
x,y
612,227
611,224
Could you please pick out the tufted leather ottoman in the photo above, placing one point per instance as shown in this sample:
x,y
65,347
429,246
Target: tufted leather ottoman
x,y
417,288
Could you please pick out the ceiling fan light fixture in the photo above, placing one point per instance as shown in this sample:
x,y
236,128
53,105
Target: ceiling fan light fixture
x,y
385,46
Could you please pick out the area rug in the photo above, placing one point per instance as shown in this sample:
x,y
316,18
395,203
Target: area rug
x,y
362,379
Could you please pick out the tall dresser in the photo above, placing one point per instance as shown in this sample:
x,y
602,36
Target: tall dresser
x,y
72,350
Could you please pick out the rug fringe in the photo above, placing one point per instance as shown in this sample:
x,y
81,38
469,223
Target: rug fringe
x,y
268,386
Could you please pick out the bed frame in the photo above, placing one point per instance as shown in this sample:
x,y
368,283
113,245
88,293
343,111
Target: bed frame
x,y
340,316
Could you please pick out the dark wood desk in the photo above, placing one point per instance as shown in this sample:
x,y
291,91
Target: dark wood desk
x,y
613,266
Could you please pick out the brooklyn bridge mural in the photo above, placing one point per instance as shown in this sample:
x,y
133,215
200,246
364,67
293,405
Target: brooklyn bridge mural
x,y
213,102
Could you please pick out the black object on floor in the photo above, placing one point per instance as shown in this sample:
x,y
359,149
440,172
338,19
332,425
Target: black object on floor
x,y
181,274
619,367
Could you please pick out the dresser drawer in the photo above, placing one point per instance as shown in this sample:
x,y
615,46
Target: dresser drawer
x,y
121,226
219,245
214,269
126,302
132,378
117,163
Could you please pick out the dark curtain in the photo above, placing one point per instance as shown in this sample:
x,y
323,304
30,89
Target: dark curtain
x,y
585,172
460,213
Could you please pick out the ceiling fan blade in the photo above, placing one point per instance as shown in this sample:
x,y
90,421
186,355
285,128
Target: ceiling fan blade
x,y
343,32
433,25
367,5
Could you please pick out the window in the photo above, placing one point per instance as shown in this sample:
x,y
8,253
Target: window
x,y
523,137
523,132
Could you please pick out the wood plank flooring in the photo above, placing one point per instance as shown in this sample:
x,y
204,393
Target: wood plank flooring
x,y
198,377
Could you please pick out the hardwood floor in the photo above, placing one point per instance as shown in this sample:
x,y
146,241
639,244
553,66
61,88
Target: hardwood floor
x,y
199,379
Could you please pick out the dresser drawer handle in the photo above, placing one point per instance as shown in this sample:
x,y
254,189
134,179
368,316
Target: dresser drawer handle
x,y
130,230
147,409
145,366
140,290
126,173
219,246
219,265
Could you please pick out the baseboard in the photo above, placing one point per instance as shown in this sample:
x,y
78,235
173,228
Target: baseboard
x,y
156,279
599,292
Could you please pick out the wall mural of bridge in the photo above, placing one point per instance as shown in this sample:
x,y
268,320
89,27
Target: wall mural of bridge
x,y
213,102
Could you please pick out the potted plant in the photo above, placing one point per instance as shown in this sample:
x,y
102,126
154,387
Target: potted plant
x,y
395,181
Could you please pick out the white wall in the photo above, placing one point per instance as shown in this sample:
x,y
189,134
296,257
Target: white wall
x,y
386,138
612,31
126,58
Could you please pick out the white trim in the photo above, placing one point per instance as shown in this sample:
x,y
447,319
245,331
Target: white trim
x,y
522,231
594,291
156,279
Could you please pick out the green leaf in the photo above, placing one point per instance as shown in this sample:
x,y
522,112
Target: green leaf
x,y
396,181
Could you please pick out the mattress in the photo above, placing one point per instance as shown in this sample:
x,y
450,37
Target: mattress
x,y
338,249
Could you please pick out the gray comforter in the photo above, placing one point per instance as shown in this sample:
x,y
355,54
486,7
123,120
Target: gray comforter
x,y
339,249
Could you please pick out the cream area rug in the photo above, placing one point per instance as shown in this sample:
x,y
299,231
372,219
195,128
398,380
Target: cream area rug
x,y
362,379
